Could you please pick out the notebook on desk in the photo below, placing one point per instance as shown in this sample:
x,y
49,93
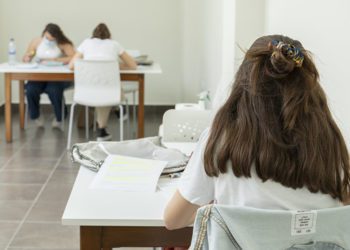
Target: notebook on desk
x,y
51,63
143,60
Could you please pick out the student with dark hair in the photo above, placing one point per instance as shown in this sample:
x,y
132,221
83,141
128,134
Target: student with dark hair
x,y
101,47
52,47
273,144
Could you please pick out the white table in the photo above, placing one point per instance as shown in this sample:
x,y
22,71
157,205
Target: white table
x,y
109,218
62,73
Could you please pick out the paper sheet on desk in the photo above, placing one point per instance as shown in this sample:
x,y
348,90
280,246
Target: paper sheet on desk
x,y
128,174
167,184
26,65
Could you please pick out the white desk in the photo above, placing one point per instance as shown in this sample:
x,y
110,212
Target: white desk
x,y
109,218
62,73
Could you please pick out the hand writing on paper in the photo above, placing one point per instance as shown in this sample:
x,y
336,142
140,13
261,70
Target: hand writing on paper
x,y
48,60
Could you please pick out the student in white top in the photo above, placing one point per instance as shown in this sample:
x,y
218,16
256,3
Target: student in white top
x,y
101,47
53,47
273,144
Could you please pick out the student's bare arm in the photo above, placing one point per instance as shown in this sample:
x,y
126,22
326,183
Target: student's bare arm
x,y
77,56
179,212
31,50
128,62
68,51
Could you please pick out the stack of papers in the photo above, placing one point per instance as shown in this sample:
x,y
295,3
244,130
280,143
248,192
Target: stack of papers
x,y
125,173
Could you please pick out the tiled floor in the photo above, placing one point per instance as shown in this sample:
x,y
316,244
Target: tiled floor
x,y
36,178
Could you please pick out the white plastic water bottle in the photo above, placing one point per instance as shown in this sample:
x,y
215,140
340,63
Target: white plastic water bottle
x,y
204,99
12,52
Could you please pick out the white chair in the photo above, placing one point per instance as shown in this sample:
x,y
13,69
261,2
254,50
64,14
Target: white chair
x,y
233,227
188,106
181,106
182,128
96,84
185,125
131,88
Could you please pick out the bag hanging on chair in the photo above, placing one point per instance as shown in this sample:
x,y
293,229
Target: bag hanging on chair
x,y
93,154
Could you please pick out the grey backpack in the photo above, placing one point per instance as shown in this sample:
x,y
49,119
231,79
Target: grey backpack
x,y
230,227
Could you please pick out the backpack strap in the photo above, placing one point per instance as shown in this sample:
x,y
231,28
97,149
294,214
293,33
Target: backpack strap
x,y
203,228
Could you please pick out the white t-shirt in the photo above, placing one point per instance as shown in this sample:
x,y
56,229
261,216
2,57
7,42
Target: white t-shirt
x,y
198,188
48,50
100,49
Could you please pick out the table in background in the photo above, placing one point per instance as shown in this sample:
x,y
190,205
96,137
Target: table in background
x,y
62,73
109,218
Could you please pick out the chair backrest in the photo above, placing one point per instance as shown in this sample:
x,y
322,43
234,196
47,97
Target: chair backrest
x,y
185,125
230,227
188,106
97,83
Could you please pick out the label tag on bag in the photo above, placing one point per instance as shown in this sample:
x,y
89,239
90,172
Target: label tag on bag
x,y
303,222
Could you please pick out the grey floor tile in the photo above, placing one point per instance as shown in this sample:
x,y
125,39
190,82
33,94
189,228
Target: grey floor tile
x,y
69,166
30,163
66,162
56,192
24,176
13,210
46,153
54,142
47,211
63,177
46,235
19,192
8,150
35,152
7,229
3,160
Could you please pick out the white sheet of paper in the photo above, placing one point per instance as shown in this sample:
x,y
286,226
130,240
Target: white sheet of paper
x,y
26,65
125,173
167,184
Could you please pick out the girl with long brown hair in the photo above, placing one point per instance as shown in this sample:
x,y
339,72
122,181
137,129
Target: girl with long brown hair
x,y
273,144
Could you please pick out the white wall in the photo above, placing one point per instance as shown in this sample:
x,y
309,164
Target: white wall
x,y
322,27
153,26
208,45
242,22
2,54
250,24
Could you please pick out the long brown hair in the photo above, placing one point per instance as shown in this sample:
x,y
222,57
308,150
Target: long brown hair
x,y
277,120
57,33
101,31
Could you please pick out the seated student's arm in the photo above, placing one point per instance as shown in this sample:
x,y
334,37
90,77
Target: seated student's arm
x,y
128,61
195,189
77,56
68,51
179,212
31,50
